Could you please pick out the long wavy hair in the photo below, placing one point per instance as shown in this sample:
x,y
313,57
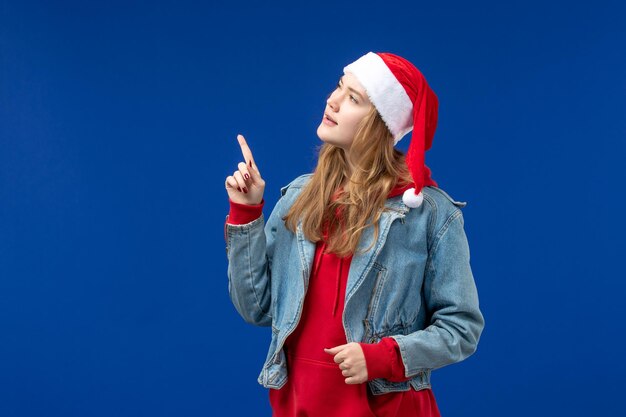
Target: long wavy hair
x,y
377,168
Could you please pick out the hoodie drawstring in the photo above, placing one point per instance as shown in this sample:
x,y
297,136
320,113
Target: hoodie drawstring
x,y
337,290
319,258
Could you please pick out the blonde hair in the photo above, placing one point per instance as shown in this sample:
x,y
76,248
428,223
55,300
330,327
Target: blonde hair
x,y
377,168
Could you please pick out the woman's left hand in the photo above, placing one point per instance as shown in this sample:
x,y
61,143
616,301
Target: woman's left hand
x,y
351,361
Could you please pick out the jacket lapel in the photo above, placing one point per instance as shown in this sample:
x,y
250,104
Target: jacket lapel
x,y
362,262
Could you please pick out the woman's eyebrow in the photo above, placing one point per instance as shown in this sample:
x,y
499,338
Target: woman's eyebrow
x,y
352,89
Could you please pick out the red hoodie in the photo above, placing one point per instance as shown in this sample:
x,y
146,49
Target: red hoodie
x,y
315,386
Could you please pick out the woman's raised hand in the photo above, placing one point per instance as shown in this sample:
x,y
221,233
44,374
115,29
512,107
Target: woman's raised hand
x,y
245,186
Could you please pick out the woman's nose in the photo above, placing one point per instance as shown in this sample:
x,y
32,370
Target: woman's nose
x,y
332,102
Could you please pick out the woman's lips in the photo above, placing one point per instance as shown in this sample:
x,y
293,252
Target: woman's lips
x,y
328,122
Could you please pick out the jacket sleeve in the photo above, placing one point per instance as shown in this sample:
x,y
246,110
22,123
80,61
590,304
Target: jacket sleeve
x,y
451,299
249,248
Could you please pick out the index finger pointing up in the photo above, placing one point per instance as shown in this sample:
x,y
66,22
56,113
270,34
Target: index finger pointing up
x,y
245,150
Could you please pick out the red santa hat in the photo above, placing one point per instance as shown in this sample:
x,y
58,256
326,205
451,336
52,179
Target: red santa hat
x,y
405,102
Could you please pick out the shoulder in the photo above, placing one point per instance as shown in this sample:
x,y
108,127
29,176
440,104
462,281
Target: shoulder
x,y
441,209
290,191
438,198
296,184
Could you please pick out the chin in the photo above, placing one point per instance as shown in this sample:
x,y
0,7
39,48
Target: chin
x,y
321,135
326,140
329,139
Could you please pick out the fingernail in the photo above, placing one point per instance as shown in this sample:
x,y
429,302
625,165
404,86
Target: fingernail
x,y
246,176
245,190
250,163
239,188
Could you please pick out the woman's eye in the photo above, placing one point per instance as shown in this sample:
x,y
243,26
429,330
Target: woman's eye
x,y
351,96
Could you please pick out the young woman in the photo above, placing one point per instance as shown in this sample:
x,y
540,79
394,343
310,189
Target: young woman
x,y
362,269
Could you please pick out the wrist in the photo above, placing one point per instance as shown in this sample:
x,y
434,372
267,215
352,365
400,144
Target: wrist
x,y
244,213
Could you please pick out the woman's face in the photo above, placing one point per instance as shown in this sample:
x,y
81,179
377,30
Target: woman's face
x,y
346,106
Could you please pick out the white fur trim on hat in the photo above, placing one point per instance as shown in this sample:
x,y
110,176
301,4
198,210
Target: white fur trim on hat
x,y
411,199
386,93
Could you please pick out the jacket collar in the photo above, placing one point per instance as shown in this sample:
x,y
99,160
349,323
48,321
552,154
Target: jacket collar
x,y
393,202
396,203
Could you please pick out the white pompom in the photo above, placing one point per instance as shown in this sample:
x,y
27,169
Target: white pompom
x,y
411,199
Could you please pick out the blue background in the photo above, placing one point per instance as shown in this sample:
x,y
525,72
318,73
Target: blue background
x,y
118,124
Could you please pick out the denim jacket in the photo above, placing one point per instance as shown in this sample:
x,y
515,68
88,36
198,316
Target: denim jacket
x,y
414,284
